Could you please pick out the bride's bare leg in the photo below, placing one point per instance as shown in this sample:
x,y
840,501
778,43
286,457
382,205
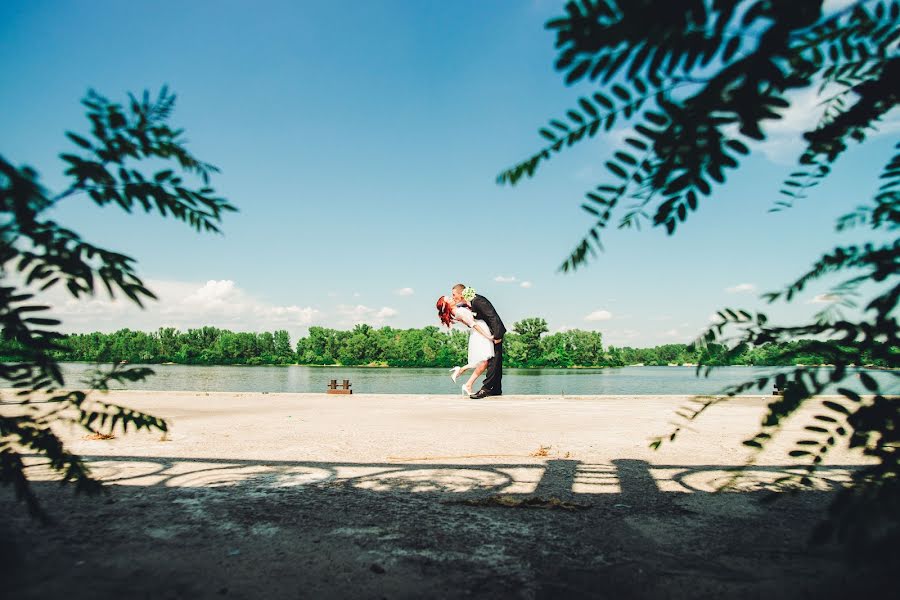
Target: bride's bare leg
x,y
479,369
465,368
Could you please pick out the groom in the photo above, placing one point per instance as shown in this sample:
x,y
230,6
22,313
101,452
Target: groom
x,y
484,310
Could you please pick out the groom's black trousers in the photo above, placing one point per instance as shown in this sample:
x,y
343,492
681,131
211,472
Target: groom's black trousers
x,y
493,380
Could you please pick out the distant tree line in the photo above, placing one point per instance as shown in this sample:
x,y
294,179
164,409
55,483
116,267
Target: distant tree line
x,y
529,344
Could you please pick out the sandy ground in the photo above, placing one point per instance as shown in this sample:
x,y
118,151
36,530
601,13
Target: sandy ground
x,y
257,495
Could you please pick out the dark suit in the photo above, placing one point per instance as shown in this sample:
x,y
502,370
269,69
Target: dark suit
x,y
485,311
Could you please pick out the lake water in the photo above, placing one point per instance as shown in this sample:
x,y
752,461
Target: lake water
x,y
610,381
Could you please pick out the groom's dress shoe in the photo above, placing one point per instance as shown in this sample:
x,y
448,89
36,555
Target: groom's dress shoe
x,y
480,394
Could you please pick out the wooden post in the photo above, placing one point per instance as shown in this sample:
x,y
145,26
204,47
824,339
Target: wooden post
x,y
334,388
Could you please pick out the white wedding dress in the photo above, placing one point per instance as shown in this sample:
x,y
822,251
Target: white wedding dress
x,y
480,348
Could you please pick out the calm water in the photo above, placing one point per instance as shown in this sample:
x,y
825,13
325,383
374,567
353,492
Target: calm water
x,y
624,380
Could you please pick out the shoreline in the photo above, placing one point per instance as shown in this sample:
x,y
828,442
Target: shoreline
x,y
547,367
417,396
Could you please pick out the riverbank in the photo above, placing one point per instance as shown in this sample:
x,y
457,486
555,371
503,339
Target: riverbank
x,y
637,381
307,495
384,365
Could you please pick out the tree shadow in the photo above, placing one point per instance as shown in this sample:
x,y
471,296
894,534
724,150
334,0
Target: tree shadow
x,y
624,478
647,530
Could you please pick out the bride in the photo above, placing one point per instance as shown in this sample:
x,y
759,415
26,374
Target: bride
x,y
481,344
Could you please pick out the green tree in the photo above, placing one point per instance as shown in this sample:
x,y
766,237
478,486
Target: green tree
x,y
265,346
586,347
37,254
556,350
358,348
530,331
168,343
283,352
613,357
699,81
406,348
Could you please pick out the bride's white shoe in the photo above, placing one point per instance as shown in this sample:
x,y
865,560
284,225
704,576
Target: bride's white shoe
x,y
466,391
454,373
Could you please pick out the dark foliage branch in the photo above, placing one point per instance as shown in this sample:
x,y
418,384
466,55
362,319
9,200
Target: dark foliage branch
x,y
868,423
714,75
37,254
864,513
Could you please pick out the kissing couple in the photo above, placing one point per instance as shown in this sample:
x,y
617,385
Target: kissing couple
x,y
486,332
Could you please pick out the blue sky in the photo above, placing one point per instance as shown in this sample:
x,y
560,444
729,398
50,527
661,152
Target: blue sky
x,y
361,142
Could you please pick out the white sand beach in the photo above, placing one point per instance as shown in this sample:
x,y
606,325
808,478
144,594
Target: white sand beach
x,y
296,495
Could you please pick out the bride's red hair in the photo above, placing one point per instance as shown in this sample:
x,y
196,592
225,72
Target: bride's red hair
x,y
445,311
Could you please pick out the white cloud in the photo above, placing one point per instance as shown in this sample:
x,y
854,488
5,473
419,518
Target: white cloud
x,y
621,337
620,134
386,313
286,314
184,305
217,297
741,288
599,315
831,6
784,141
353,315
512,279
407,291
675,333
824,299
